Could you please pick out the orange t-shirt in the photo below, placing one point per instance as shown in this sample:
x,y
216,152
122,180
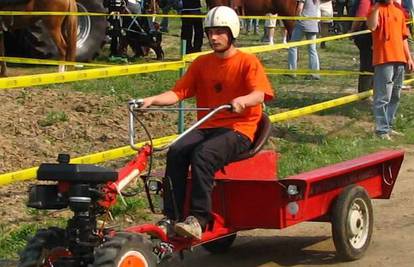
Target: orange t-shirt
x,y
215,81
388,37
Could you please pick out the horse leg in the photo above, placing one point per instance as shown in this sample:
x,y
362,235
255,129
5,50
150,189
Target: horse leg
x,y
289,25
3,71
70,28
54,24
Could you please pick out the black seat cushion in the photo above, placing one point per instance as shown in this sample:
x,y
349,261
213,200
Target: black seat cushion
x,y
84,173
262,134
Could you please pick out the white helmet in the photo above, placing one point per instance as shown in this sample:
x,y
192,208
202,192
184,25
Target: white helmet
x,y
223,16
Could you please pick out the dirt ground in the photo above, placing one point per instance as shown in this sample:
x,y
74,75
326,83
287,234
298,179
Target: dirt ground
x,y
29,135
38,124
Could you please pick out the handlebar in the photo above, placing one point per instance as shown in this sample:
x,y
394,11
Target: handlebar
x,y
136,104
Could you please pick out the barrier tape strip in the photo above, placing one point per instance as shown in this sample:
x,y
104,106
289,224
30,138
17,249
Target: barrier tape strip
x,y
318,107
248,17
71,76
288,115
39,61
321,72
49,13
188,57
41,79
57,13
30,173
408,81
291,114
268,48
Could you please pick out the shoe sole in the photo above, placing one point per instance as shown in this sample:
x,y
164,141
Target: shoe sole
x,y
184,233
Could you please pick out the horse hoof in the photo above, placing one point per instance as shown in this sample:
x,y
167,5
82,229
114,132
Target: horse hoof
x,y
160,54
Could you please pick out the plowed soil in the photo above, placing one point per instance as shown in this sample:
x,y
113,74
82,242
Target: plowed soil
x,y
38,124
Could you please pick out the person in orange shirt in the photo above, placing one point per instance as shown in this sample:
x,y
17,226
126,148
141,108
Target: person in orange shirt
x,y
227,75
391,55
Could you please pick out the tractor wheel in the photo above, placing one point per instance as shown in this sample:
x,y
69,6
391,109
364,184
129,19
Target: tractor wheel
x,y
44,249
220,245
352,223
91,30
35,42
125,250
32,42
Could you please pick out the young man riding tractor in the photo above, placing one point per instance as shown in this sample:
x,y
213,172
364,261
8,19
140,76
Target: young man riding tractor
x,y
225,76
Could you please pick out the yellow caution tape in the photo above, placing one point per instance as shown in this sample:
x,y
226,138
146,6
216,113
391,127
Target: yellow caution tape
x,y
49,13
192,56
59,13
40,79
306,18
31,173
71,76
408,81
268,48
248,17
321,72
39,61
318,107
28,174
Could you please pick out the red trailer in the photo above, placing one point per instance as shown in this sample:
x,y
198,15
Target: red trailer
x,y
247,195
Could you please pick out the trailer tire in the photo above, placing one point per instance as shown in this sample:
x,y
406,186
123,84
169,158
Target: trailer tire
x,y
46,244
352,223
220,245
125,249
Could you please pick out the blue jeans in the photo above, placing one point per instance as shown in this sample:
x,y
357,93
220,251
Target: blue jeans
x,y
388,79
297,35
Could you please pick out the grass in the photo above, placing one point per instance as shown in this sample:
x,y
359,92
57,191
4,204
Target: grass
x,y
303,156
304,144
52,118
12,241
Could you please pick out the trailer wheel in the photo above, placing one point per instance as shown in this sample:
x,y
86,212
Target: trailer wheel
x,y
352,223
125,250
220,245
44,249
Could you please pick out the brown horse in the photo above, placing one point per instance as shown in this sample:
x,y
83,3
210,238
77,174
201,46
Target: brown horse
x,y
62,29
260,8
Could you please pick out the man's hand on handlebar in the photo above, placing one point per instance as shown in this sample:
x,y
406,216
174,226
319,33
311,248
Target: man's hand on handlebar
x,y
238,105
147,102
